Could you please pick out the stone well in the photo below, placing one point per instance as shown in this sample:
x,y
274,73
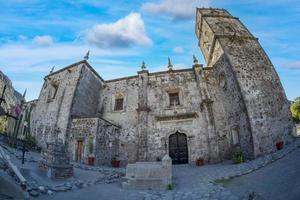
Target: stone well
x,y
149,175
55,162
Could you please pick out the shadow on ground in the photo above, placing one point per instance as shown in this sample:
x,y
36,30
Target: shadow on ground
x,y
277,181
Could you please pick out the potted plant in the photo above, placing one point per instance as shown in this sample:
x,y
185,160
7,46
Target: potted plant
x,y
279,145
238,157
200,161
91,157
115,162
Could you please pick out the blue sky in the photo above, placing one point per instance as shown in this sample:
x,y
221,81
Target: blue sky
x,y
36,35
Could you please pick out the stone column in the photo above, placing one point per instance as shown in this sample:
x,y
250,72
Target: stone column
x,y
206,104
142,115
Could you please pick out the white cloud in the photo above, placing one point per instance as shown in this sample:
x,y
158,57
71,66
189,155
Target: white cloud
x,y
177,9
33,62
29,58
124,32
178,50
22,37
44,40
294,65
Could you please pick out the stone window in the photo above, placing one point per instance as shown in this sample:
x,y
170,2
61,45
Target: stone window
x,y
235,136
119,104
222,81
174,98
52,92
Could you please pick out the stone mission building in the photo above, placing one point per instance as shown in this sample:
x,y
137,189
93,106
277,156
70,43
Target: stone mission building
x,y
235,102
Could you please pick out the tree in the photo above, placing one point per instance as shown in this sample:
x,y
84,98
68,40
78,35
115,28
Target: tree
x,y
295,109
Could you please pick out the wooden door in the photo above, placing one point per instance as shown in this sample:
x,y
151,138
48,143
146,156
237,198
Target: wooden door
x,y
79,150
178,149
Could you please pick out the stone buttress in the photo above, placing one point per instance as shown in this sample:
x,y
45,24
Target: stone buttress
x,y
256,105
142,114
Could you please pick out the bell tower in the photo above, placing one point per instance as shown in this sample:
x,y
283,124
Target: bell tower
x,y
254,98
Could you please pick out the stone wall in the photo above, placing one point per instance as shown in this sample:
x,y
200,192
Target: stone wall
x,y
105,137
54,104
148,120
126,118
82,129
87,94
108,143
186,117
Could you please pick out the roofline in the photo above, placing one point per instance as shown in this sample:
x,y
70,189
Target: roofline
x,y
150,74
120,79
77,63
117,79
91,68
173,70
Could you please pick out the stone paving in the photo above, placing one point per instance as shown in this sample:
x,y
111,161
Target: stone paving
x,y
84,176
279,180
190,182
201,182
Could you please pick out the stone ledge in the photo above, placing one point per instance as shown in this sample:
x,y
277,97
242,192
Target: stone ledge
x,y
176,117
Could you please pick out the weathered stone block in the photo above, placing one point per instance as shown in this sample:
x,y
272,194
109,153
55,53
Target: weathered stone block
x,y
55,161
149,175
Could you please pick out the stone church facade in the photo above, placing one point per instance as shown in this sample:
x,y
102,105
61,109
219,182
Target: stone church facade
x,y
235,102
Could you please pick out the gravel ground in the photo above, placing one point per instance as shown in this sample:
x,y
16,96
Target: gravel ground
x,y
8,188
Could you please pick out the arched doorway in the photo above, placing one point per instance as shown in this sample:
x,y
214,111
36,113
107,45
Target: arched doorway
x,y
178,149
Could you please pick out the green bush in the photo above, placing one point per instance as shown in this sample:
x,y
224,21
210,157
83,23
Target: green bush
x,y
115,157
91,146
295,109
170,187
238,157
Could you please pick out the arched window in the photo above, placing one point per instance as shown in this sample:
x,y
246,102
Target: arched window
x,y
174,98
119,101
